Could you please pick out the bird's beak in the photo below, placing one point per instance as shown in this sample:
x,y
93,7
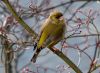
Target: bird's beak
x,y
61,18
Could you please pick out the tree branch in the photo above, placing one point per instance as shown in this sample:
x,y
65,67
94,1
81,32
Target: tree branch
x,y
19,19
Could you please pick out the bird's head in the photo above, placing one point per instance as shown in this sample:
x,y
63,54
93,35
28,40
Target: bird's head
x,y
56,14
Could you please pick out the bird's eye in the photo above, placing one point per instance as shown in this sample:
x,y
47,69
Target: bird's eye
x,y
58,16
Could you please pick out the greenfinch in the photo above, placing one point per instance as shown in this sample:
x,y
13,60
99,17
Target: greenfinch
x,y
51,32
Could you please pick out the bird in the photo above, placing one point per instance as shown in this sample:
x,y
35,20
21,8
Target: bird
x,y
51,32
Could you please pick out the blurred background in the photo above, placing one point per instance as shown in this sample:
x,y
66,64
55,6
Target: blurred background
x,y
81,43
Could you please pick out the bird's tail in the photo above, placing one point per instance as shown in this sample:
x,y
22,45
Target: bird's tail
x,y
35,55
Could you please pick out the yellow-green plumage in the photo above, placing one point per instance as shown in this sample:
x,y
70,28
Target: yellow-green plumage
x,y
52,31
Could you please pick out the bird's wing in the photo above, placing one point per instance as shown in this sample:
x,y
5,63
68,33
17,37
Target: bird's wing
x,y
46,30
56,36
